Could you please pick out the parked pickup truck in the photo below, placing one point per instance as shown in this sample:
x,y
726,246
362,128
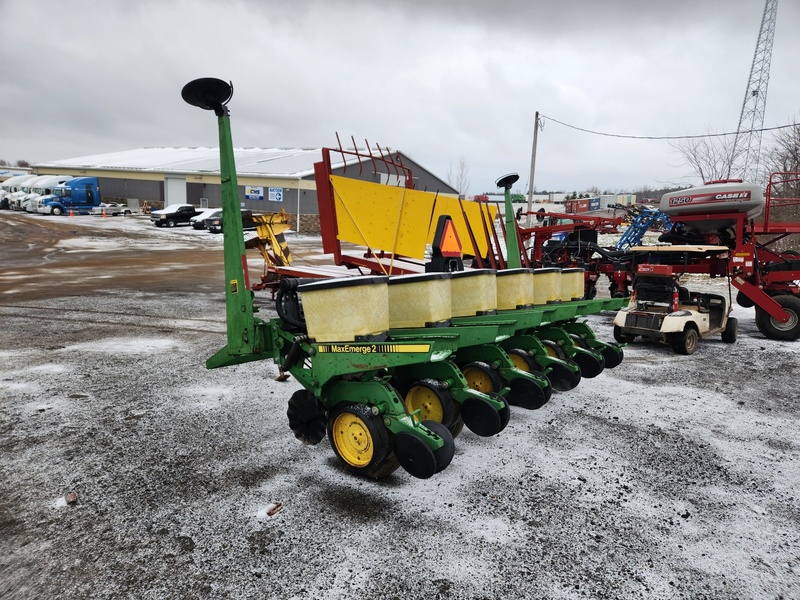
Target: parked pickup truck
x,y
174,214
214,224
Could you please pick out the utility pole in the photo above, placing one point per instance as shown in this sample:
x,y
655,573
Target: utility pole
x,y
751,120
536,126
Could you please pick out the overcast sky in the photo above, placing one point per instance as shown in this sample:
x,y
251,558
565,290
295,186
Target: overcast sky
x,y
441,80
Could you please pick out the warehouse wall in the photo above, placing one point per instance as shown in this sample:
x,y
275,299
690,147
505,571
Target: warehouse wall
x,y
112,187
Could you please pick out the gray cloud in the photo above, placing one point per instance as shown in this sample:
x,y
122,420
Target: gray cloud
x,y
439,80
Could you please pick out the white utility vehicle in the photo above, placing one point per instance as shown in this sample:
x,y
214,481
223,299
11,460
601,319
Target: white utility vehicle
x,y
661,310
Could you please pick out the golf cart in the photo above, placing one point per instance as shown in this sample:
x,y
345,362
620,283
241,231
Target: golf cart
x,y
663,311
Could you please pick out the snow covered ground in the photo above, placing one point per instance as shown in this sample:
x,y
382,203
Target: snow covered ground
x,y
129,470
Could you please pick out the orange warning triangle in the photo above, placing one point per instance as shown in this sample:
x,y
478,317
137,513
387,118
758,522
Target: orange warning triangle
x,y
449,244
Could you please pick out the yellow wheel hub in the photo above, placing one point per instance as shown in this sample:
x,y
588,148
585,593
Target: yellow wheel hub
x,y
352,439
478,380
552,352
424,399
519,362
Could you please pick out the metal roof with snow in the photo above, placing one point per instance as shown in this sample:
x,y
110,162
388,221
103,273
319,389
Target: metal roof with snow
x,y
261,162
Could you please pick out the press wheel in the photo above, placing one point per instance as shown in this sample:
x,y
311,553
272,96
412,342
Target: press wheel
x,y
589,364
481,417
443,455
562,378
414,455
612,355
505,412
525,393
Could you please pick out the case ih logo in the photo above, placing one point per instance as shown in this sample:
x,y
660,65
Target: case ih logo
x,y
680,200
733,196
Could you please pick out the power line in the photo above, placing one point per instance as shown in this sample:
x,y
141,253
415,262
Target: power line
x,y
664,137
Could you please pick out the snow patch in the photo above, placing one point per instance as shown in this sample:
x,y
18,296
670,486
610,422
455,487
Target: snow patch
x,y
126,346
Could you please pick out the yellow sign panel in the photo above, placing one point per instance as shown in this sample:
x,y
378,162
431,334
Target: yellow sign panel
x,y
403,221
479,224
372,348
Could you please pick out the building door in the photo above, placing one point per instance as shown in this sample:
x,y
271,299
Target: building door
x,y
174,190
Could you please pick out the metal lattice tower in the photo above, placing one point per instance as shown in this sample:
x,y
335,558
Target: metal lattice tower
x,y
747,145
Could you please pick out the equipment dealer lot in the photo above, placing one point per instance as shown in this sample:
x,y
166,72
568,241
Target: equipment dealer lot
x,y
668,476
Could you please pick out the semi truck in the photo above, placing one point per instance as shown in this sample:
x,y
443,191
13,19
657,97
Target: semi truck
x,y
76,196
14,198
41,188
11,185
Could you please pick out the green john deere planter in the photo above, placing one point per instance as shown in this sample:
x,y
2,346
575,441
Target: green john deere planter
x,y
391,373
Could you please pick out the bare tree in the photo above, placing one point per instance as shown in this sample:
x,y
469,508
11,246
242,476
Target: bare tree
x,y
460,180
24,164
784,154
710,157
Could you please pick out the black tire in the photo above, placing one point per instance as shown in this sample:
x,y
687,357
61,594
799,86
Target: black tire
x,y
360,440
781,331
621,337
731,331
481,377
562,378
527,394
612,355
414,454
686,341
171,223
505,412
307,417
590,364
57,211
443,455
590,293
480,417
744,301
457,426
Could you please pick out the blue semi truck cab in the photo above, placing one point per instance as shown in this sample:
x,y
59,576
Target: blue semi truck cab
x,y
77,195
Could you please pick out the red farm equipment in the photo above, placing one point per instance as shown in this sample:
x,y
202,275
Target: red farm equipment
x,y
724,212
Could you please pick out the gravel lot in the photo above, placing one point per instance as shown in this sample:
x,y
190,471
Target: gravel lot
x,y
130,471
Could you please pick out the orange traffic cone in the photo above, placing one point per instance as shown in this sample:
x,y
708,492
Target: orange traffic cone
x,y
104,214
70,213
